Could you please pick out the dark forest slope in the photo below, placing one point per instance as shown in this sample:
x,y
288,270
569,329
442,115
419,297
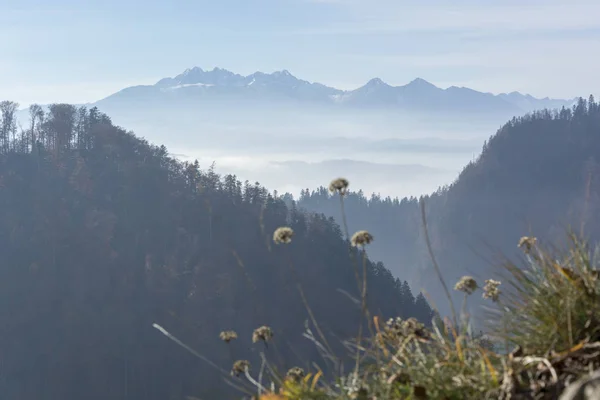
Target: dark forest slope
x,y
538,174
102,234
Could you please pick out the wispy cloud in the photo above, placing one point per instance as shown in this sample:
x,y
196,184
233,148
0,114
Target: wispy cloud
x,y
389,16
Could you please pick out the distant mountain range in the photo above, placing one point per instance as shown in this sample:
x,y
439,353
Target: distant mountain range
x,y
220,84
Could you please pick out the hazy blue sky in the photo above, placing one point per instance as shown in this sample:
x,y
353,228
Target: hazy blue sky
x,y
78,51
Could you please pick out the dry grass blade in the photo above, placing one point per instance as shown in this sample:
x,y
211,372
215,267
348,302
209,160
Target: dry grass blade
x,y
435,264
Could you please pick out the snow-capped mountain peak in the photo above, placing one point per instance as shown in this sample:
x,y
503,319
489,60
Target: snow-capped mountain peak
x,y
376,82
284,72
281,84
193,70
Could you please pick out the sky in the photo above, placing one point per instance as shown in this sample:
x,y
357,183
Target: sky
x,y
81,51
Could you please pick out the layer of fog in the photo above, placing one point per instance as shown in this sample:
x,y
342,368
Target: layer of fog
x,y
293,148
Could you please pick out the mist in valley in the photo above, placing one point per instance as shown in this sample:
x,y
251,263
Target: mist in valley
x,y
288,148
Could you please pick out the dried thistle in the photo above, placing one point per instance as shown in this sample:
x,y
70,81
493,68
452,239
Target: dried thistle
x,y
240,367
399,328
466,284
490,290
361,238
283,235
413,327
228,336
296,374
339,185
527,242
263,333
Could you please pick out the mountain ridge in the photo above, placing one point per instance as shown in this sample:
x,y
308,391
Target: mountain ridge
x,y
418,94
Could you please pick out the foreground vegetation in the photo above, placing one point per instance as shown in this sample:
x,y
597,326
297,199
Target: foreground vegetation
x,y
103,235
544,335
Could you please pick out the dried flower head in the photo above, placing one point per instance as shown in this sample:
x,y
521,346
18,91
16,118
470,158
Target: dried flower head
x,y
283,235
527,243
339,185
228,336
361,238
399,328
240,367
490,290
296,374
413,327
466,284
263,333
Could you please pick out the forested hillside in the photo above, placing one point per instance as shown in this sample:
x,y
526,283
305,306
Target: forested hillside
x,y
103,234
538,174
